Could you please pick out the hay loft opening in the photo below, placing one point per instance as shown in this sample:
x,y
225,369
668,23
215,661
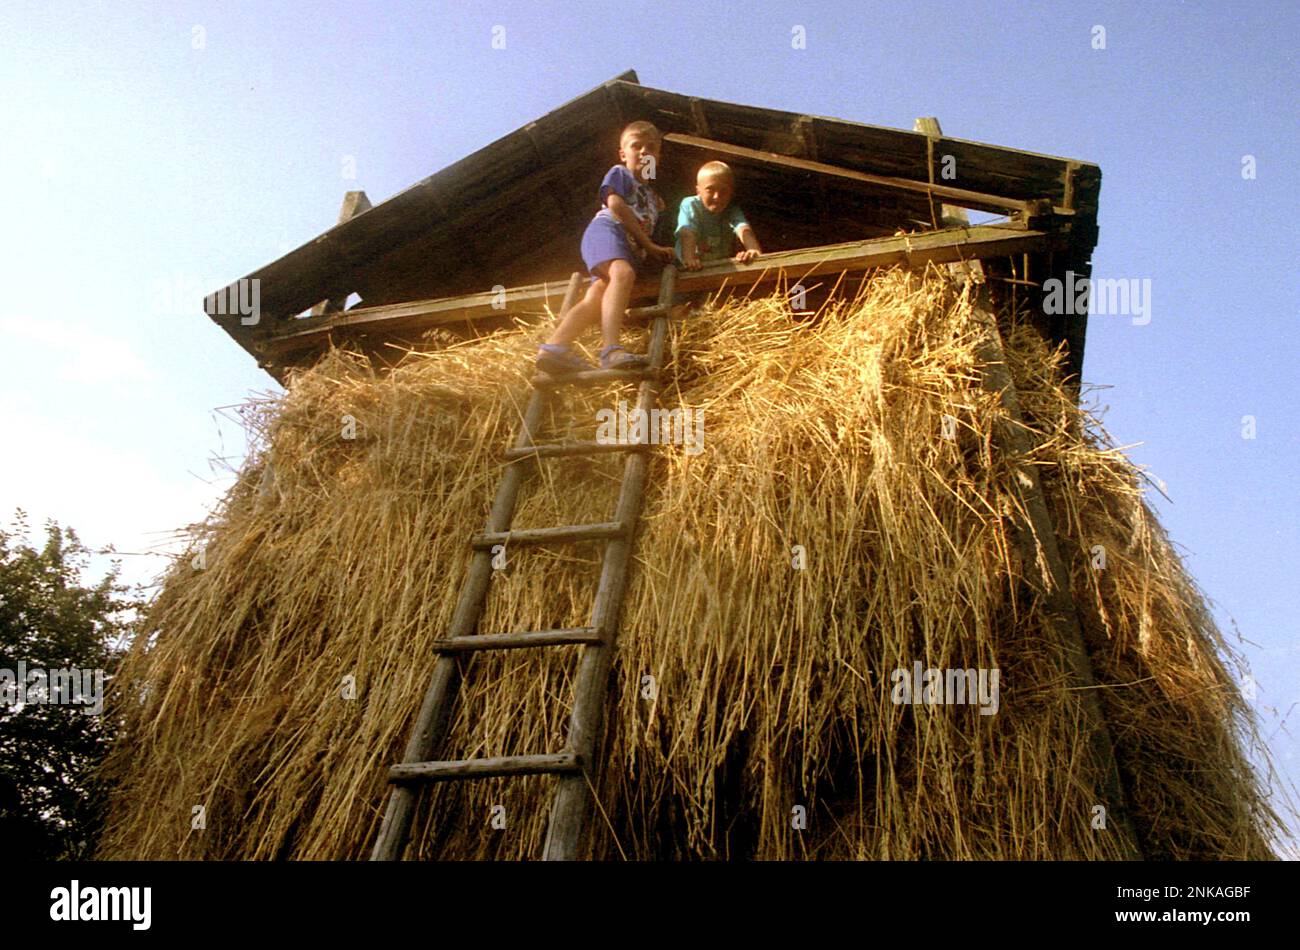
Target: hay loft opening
x,y
826,195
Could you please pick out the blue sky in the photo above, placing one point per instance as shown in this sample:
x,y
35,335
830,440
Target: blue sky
x,y
154,151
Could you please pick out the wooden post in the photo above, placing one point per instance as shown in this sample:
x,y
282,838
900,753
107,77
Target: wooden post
x,y
955,216
950,216
1036,540
805,130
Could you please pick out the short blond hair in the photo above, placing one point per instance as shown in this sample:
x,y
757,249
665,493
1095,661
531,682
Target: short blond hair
x,y
715,170
646,128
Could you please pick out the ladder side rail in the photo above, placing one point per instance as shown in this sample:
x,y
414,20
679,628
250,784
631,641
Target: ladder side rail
x,y
571,807
431,723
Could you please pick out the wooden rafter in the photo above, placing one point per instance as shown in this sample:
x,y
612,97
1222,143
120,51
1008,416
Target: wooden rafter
x,y
980,201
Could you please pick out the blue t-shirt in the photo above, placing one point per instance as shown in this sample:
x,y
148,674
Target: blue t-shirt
x,y
640,198
715,234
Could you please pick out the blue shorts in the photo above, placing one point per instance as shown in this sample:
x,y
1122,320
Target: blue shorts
x,y
604,241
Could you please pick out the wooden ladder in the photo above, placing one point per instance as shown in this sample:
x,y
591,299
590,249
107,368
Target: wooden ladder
x,y
575,765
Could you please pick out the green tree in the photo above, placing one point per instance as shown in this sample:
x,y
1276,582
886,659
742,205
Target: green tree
x,y
50,804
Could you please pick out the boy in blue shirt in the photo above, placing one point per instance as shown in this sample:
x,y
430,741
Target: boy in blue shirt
x,y
708,225
615,242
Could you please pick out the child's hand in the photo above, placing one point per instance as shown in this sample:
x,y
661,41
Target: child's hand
x,y
690,259
660,254
744,257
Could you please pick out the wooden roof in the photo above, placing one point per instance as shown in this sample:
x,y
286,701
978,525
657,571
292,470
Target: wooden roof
x,y
802,180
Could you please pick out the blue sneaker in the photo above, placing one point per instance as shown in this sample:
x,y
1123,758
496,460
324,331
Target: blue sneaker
x,y
560,361
615,357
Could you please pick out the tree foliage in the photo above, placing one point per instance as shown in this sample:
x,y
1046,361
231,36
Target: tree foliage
x,y
49,621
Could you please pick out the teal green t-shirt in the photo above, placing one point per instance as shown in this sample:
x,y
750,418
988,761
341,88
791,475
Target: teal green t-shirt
x,y
715,234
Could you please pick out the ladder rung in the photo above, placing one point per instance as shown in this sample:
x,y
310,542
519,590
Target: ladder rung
x,y
519,641
557,449
565,762
592,376
571,532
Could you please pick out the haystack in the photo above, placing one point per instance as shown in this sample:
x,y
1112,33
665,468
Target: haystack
x,y
850,516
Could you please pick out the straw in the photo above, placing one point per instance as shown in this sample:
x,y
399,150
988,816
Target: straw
x,y
750,712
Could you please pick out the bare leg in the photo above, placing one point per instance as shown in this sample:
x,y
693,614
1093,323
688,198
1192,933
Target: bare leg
x,y
614,305
580,316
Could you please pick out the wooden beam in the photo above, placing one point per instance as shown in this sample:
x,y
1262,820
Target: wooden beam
x,y
967,199
882,151
419,315
929,127
911,250
451,771
528,640
1083,192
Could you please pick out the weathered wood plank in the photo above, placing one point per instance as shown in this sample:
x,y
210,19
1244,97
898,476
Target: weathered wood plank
x,y
591,377
518,641
1085,187
484,768
567,449
909,250
598,531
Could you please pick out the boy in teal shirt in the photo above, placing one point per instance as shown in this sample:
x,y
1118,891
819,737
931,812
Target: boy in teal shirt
x,y
708,224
